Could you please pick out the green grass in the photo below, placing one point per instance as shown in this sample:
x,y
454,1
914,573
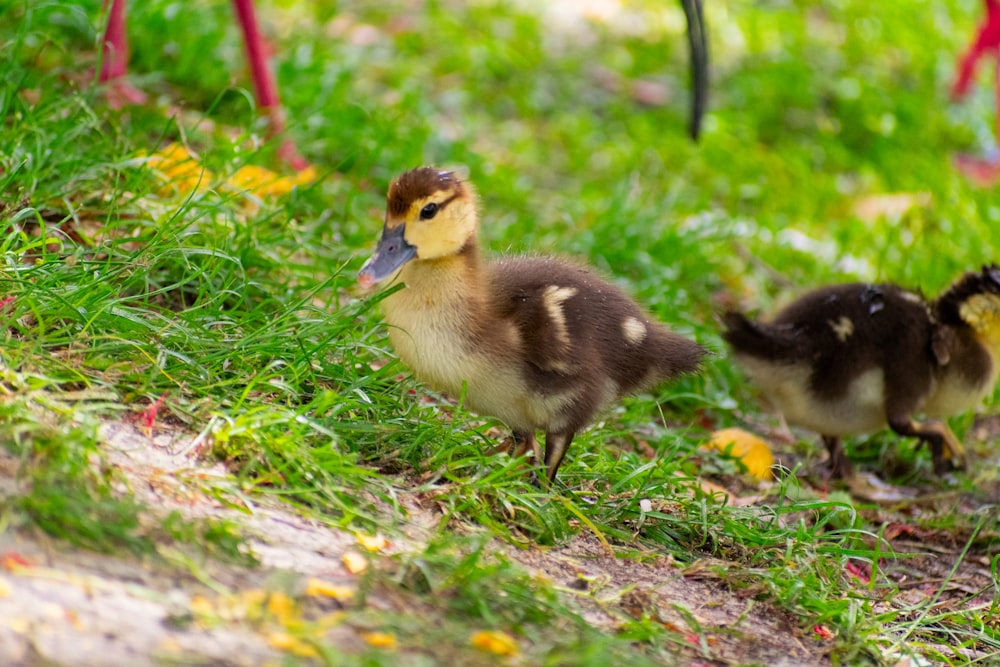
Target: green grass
x,y
247,322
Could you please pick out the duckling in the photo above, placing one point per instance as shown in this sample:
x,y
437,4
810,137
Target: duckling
x,y
539,343
850,359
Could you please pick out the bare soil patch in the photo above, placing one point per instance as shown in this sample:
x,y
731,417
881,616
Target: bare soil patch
x,y
65,606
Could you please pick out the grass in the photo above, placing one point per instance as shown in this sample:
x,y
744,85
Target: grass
x,y
243,318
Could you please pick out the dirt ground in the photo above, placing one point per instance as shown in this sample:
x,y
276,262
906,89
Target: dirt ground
x,y
61,606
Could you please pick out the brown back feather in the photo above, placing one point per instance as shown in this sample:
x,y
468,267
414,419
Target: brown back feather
x,y
594,316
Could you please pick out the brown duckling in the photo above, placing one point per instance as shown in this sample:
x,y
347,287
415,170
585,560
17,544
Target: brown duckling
x,y
851,359
537,342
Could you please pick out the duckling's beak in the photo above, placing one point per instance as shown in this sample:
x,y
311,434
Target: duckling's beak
x,y
391,253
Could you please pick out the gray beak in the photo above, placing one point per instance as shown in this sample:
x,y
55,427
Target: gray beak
x,y
390,255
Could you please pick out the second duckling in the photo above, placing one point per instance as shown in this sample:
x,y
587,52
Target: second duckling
x,y
538,342
851,359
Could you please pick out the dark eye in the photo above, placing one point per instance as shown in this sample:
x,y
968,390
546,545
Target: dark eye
x,y
429,211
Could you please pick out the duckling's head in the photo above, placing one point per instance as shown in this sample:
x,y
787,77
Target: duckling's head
x,y
974,300
429,214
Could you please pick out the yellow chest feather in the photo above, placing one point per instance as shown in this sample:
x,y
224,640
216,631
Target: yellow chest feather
x,y
953,394
982,313
429,325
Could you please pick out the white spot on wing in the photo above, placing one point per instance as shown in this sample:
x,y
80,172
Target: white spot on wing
x,y
843,327
553,298
633,330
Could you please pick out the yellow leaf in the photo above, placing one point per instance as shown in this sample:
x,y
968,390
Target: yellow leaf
x,y
180,170
747,447
495,641
249,604
238,606
182,173
713,490
254,597
318,588
170,645
355,562
21,626
281,607
265,183
380,639
331,620
291,644
372,542
202,605
5,588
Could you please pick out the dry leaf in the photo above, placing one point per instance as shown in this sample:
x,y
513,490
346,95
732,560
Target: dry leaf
x,y
861,571
752,450
355,562
15,562
711,489
21,626
265,183
281,607
201,605
180,171
868,487
380,639
283,641
320,588
371,542
495,641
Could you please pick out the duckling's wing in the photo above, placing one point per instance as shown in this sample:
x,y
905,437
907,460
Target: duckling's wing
x,y
572,324
542,298
538,313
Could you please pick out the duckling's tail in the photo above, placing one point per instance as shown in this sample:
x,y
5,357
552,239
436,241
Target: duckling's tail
x,y
755,339
680,356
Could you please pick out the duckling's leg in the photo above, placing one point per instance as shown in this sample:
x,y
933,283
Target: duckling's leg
x,y
523,441
556,445
840,465
943,443
935,433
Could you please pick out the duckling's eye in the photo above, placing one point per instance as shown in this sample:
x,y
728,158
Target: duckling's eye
x,y
429,211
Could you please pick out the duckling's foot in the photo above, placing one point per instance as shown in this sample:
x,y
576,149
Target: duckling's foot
x,y
524,441
514,446
519,445
947,451
840,466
